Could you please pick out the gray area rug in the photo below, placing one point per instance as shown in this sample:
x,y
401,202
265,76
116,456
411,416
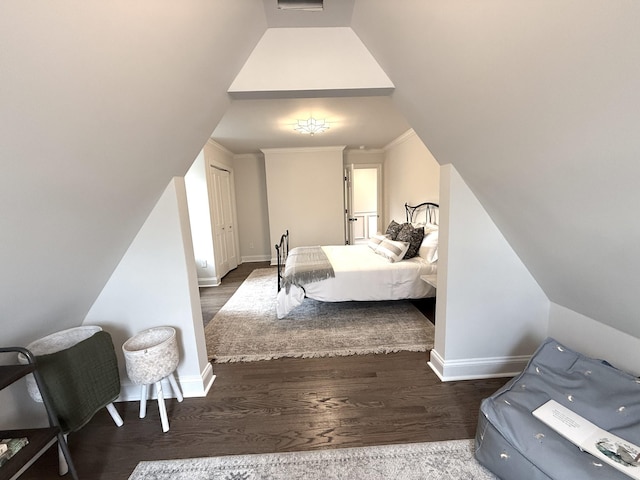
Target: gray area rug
x,y
451,460
246,327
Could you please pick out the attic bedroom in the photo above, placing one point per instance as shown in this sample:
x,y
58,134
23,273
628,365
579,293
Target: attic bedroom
x,y
527,110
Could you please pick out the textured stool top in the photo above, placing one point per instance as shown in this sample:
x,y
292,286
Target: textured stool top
x,y
61,340
151,355
148,339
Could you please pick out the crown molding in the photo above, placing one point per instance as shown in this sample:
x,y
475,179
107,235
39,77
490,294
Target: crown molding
x,y
401,139
365,151
216,145
241,156
337,148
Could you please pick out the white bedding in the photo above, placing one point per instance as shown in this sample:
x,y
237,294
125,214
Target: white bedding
x,y
361,275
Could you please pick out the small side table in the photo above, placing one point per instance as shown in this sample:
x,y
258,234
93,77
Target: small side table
x,y
151,356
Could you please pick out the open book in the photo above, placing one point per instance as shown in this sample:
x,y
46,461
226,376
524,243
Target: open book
x,y
615,451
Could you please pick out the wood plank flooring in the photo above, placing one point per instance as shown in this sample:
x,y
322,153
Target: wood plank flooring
x,y
283,405
213,298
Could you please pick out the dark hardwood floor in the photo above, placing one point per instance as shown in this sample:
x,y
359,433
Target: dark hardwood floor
x,y
282,405
213,298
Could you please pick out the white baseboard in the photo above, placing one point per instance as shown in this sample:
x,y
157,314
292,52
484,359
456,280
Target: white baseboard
x,y
208,282
476,368
255,258
190,386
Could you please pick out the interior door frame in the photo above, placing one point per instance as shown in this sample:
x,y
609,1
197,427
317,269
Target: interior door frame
x,y
212,167
348,204
349,186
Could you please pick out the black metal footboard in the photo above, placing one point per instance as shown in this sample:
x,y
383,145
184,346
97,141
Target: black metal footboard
x,y
282,250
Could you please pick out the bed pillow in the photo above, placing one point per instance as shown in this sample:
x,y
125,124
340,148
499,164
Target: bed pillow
x,y
392,250
408,233
393,229
429,247
376,240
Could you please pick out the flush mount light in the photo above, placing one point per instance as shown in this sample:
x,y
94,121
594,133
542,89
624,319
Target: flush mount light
x,y
311,126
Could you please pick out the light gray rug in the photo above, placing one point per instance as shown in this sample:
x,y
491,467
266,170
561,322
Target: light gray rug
x,y
246,327
452,460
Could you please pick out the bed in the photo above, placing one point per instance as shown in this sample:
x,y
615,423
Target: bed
x,y
378,270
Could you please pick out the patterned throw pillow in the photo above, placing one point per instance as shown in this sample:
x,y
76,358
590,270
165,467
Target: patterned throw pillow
x,y
376,240
393,229
392,250
408,233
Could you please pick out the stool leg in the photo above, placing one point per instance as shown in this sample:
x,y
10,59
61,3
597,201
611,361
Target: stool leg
x,y
63,467
115,415
143,401
162,407
175,387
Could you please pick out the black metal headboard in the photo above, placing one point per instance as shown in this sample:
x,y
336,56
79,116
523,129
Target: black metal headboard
x,y
282,250
431,212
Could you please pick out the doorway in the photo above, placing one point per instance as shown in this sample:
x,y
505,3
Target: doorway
x,y
362,202
224,240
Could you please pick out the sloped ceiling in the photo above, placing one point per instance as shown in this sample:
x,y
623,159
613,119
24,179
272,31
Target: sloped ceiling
x,y
101,104
535,103
537,106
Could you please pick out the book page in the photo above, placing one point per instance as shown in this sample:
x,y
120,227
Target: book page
x,y
570,425
617,452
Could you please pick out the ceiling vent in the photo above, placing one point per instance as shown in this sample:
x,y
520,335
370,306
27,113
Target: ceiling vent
x,y
306,5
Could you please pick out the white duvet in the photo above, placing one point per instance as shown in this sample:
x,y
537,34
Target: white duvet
x,y
362,275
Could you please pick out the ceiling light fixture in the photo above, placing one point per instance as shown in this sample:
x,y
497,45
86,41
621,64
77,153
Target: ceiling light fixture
x,y
311,126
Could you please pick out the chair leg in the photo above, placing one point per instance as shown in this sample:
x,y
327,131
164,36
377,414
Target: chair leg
x,y
63,467
143,401
162,407
175,387
64,457
115,415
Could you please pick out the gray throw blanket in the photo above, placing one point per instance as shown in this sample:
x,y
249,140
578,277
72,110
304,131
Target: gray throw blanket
x,y
306,265
81,379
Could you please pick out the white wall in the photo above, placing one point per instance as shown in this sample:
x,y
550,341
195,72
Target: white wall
x,y
305,195
252,205
200,221
253,212
490,312
156,284
534,103
411,175
102,104
283,61
594,339
373,156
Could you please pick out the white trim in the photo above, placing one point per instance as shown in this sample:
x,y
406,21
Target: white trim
x,y
222,148
255,258
364,151
249,156
401,139
338,148
191,386
476,368
208,282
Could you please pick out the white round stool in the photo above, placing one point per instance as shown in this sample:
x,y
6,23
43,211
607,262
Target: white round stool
x,y
151,356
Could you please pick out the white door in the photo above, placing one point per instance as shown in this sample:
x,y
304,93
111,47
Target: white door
x,y
362,203
228,227
224,244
